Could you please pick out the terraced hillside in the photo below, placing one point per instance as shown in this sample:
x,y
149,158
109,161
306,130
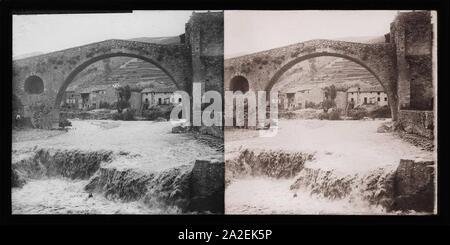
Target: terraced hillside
x,y
125,70
139,73
324,71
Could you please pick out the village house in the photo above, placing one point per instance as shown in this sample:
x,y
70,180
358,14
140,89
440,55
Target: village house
x,y
159,96
367,95
95,96
71,99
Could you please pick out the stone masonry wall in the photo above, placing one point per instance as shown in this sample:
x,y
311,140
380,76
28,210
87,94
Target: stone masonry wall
x,y
411,32
417,122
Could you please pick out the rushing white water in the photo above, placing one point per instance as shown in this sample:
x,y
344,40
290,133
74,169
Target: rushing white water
x,y
249,196
128,167
65,196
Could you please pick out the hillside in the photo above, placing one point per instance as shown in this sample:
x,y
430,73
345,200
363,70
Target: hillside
x,y
125,70
323,71
27,55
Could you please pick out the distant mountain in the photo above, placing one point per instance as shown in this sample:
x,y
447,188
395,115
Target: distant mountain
x,y
27,55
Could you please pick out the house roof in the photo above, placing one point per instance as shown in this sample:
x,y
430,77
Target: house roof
x,y
94,88
366,89
70,90
159,90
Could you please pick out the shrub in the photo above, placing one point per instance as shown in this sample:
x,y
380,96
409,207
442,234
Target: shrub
x,y
327,104
158,111
104,105
323,116
310,104
381,112
39,114
117,116
63,123
122,104
127,115
287,115
335,114
358,113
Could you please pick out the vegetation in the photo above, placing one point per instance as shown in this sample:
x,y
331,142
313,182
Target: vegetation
x,y
327,104
330,96
380,112
158,111
334,114
358,113
127,115
63,123
124,95
310,104
39,115
105,105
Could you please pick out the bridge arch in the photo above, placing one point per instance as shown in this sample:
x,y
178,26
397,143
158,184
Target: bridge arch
x,y
263,69
275,78
71,76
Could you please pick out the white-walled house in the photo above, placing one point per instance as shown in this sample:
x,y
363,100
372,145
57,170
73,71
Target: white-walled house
x,y
367,95
159,96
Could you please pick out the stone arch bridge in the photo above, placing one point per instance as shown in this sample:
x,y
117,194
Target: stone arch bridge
x,y
54,72
198,57
403,64
262,70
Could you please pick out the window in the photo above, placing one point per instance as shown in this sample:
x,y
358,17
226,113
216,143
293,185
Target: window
x,y
385,98
351,99
378,99
179,100
159,101
378,93
365,100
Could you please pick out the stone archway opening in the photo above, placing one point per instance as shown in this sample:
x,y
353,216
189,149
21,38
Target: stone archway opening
x,y
239,83
34,85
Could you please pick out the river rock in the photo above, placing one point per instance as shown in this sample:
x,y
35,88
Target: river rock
x,y
179,129
414,185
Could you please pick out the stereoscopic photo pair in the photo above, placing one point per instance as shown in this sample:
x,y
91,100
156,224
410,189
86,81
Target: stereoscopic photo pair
x,y
225,112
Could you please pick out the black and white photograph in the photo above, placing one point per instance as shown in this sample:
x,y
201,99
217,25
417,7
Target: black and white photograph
x,y
92,96
350,126
206,121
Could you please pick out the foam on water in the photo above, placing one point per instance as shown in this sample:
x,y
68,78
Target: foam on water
x,y
264,195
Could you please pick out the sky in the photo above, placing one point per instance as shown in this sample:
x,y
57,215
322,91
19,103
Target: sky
x,y
252,31
245,31
47,33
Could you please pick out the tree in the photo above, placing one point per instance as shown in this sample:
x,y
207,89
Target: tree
x,y
330,92
330,95
327,104
124,94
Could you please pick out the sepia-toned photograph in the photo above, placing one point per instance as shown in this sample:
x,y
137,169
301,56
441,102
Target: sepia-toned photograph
x,y
349,123
92,97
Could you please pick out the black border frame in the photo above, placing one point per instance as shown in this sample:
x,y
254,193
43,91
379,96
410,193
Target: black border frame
x,y
180,222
